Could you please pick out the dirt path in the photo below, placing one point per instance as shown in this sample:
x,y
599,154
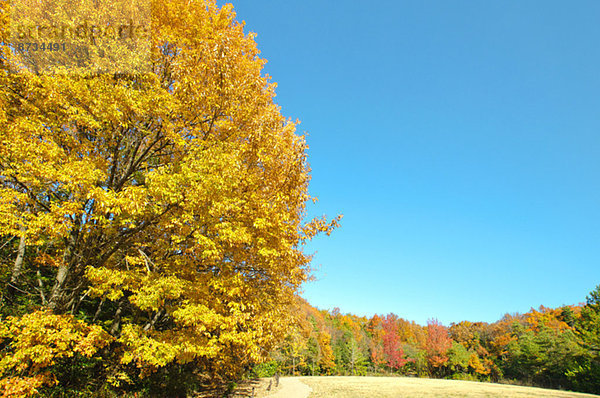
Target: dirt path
x,y
291,387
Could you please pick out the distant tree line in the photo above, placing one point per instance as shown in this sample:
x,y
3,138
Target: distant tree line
x,y
546,347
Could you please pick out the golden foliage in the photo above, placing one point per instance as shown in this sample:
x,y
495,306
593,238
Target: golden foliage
x,y
177,196
37,341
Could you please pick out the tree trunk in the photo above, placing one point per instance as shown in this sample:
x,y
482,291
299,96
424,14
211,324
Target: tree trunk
x,y
116,325
57,290
11,287
16,271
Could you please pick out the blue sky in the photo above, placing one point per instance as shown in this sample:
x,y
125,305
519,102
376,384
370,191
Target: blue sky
x,y
461,141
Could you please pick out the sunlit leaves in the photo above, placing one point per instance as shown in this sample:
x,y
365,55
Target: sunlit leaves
x,y
39,340
168,206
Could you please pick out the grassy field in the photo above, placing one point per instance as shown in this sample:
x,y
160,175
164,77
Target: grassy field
x,y
392,387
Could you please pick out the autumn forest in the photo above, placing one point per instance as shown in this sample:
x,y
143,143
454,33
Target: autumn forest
x,y
153,225
546,347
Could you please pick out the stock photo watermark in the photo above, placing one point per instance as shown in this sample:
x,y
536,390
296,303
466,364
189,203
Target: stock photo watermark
x,y
89,37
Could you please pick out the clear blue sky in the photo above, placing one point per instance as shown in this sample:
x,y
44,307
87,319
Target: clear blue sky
x,y
461,141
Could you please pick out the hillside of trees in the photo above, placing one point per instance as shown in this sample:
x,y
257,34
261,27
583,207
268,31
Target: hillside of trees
x,y
546,347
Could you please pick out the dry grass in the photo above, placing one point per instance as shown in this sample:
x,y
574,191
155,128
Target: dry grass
x,y
396,387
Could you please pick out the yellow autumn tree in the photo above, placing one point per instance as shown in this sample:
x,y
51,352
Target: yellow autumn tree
x,y
165,206
326,358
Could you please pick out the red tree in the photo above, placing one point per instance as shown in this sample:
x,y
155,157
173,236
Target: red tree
x,y
438,343
391,342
